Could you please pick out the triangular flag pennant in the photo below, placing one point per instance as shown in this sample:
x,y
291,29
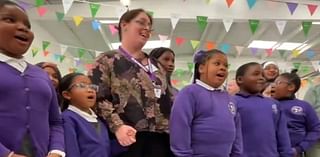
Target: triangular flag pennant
x,y
179,72
210,45
209,1
63,48
315,65
56,57
34,51
254,24
225,48
163,37
295,53
81,52
312,8
45,53
39,3
67,5
24,5
306,25
94,7
254,51
62,57
77,61
251,3
60,16
174,82
227,24
45,45
269,52
42,11
202,22
113,29
305,69
292,7
229,3
282,52
150,13
190,66
296,65
88,67
77,20
174,20
96,25
239,50
179,40
304,83
310,54
194,43
281,25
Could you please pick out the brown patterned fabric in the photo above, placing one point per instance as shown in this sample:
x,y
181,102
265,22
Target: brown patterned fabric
x,y
126,94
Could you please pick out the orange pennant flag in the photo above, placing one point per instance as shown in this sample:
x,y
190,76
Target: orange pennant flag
x,y
45,53
229,2
210,45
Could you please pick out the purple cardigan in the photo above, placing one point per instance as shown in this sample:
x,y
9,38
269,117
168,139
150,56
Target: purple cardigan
x,y
28,102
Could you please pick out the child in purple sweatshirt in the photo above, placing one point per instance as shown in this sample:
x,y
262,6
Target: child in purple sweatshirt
x,y
264,128
204,120
303,122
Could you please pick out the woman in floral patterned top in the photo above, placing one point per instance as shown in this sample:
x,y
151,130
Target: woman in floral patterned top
x,y
133,91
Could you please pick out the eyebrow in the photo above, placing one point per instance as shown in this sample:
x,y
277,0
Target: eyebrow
x,y
25,22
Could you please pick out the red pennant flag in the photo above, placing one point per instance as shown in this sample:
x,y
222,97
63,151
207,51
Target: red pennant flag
x,y
42,11
174,82
312,8
45,53
88,67
179,41
229,2
210,45
269,52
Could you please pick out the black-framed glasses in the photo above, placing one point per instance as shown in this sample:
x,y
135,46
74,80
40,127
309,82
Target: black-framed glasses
x,y
145,25
84,86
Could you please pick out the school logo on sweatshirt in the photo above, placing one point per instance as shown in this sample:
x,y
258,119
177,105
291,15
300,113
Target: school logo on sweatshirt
x,y
297,110
274,108
232,108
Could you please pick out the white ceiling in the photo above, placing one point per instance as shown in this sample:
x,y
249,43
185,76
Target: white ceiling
x,y
239,35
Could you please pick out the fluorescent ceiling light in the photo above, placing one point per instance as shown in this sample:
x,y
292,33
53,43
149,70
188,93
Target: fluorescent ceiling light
x,y
149,45
262,44
109,21
290,46
125,2
316,23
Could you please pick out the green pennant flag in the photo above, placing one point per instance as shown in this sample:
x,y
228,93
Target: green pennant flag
x,y
296,65
305,69
81,52
94,9
45,45
190,66
202,22
150,13
60,16
254,24
39,3
34,51
306,25
179,72
195,43
62,57
282,52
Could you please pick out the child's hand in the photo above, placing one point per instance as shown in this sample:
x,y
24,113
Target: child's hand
x,y
17,155
126,135
53,155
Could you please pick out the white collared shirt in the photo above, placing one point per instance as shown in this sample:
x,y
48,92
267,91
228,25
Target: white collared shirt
x,y
208,87
88,117
19,64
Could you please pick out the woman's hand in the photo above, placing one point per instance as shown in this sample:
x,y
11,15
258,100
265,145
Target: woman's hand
x,y
126,135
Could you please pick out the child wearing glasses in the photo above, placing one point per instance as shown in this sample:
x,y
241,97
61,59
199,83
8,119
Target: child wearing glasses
x,y
85,134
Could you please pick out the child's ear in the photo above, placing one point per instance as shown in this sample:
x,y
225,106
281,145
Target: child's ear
x,y
66,95
291,88
239,80
201,68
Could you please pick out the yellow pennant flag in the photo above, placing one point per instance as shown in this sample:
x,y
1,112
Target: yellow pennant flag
x,y
77,20
295,53
194,43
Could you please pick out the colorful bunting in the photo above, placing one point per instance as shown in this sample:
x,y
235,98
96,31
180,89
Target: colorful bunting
x,y
295,53
239,50
77,20
306,25
202,22
292,7
305,69
96,25
88,66
254,51
77,61
60,16
42,11
45,53
151,13
94,7
174,20
269,52
56,57
179,72
81,52
310,54
282,52
45,45
195,44
62,57
209,1
24,5
210,45
113,29
251,3
281,25
174,82
225,47
180,41
254,24
304,83
312,8
34,51
229,3
227,24
67,5
190,66
39,3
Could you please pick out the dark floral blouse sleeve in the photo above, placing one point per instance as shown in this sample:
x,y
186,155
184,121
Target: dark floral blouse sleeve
x,y
126,94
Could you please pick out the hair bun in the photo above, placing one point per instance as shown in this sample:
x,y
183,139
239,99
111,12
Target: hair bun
x,y
198,56
294,71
